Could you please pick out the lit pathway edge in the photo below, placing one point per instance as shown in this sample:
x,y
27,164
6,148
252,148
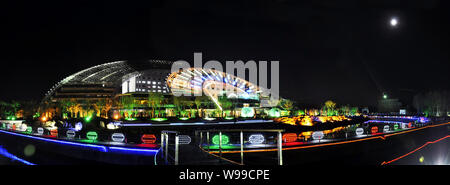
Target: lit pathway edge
x,y
415,150
383,137
91,146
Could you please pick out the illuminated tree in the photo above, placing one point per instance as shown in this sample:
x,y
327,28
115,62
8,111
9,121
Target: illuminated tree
x,y
330,108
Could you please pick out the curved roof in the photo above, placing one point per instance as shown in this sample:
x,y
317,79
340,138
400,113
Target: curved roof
x,y
110,74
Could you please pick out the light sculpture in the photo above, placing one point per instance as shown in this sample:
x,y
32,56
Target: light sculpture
x,y
118,137
256,139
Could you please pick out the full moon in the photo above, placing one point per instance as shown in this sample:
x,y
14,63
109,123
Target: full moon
x,y
394,22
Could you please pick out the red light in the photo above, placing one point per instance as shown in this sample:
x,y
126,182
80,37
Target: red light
x,y
54,132
374,130
14,127
289,137
148,138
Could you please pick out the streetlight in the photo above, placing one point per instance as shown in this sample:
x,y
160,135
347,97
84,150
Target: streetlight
x,y
384,96
393,22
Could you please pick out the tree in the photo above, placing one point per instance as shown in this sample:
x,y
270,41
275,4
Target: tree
x,y
155,101
330,107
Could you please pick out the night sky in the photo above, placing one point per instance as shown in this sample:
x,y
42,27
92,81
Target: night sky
x,y
343,50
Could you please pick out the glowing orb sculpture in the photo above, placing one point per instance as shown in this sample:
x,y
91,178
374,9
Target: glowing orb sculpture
x,y
184,139
29,129
289,137
148,138
256,139
225,139
374,130
359,131
70,134
92,135
395,126
54,132
118,137
40,131
317,135
386,128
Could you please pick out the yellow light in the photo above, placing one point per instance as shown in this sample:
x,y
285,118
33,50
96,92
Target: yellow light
x,y
116,116
44,118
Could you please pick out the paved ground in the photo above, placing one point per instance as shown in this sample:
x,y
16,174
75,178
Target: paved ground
x,y
370,152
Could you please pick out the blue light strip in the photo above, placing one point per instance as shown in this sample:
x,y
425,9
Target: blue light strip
x,y
134,150
5,153
96,147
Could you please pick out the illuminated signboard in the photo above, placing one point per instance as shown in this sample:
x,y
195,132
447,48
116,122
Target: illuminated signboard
x,y
317,135
256,139
289,137
92,135
184,139
70,134
359,131
118,137
386,128
40,131
148,138
374,130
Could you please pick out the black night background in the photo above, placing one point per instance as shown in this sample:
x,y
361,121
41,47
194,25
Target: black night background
x,y
340,50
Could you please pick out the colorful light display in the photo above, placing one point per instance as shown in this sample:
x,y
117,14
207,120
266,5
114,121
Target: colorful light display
x,y
92,135
148,138
70,134
256,139
374,130
289,137
318,135
225,139
54,132
29,129
40,131
118,137
386,128
78,126
184,139
359,131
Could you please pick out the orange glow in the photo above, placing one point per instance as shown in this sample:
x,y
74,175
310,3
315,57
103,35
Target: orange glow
x,y
374,130
308,120
44,118
116,116
289,137
148,138
54,132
